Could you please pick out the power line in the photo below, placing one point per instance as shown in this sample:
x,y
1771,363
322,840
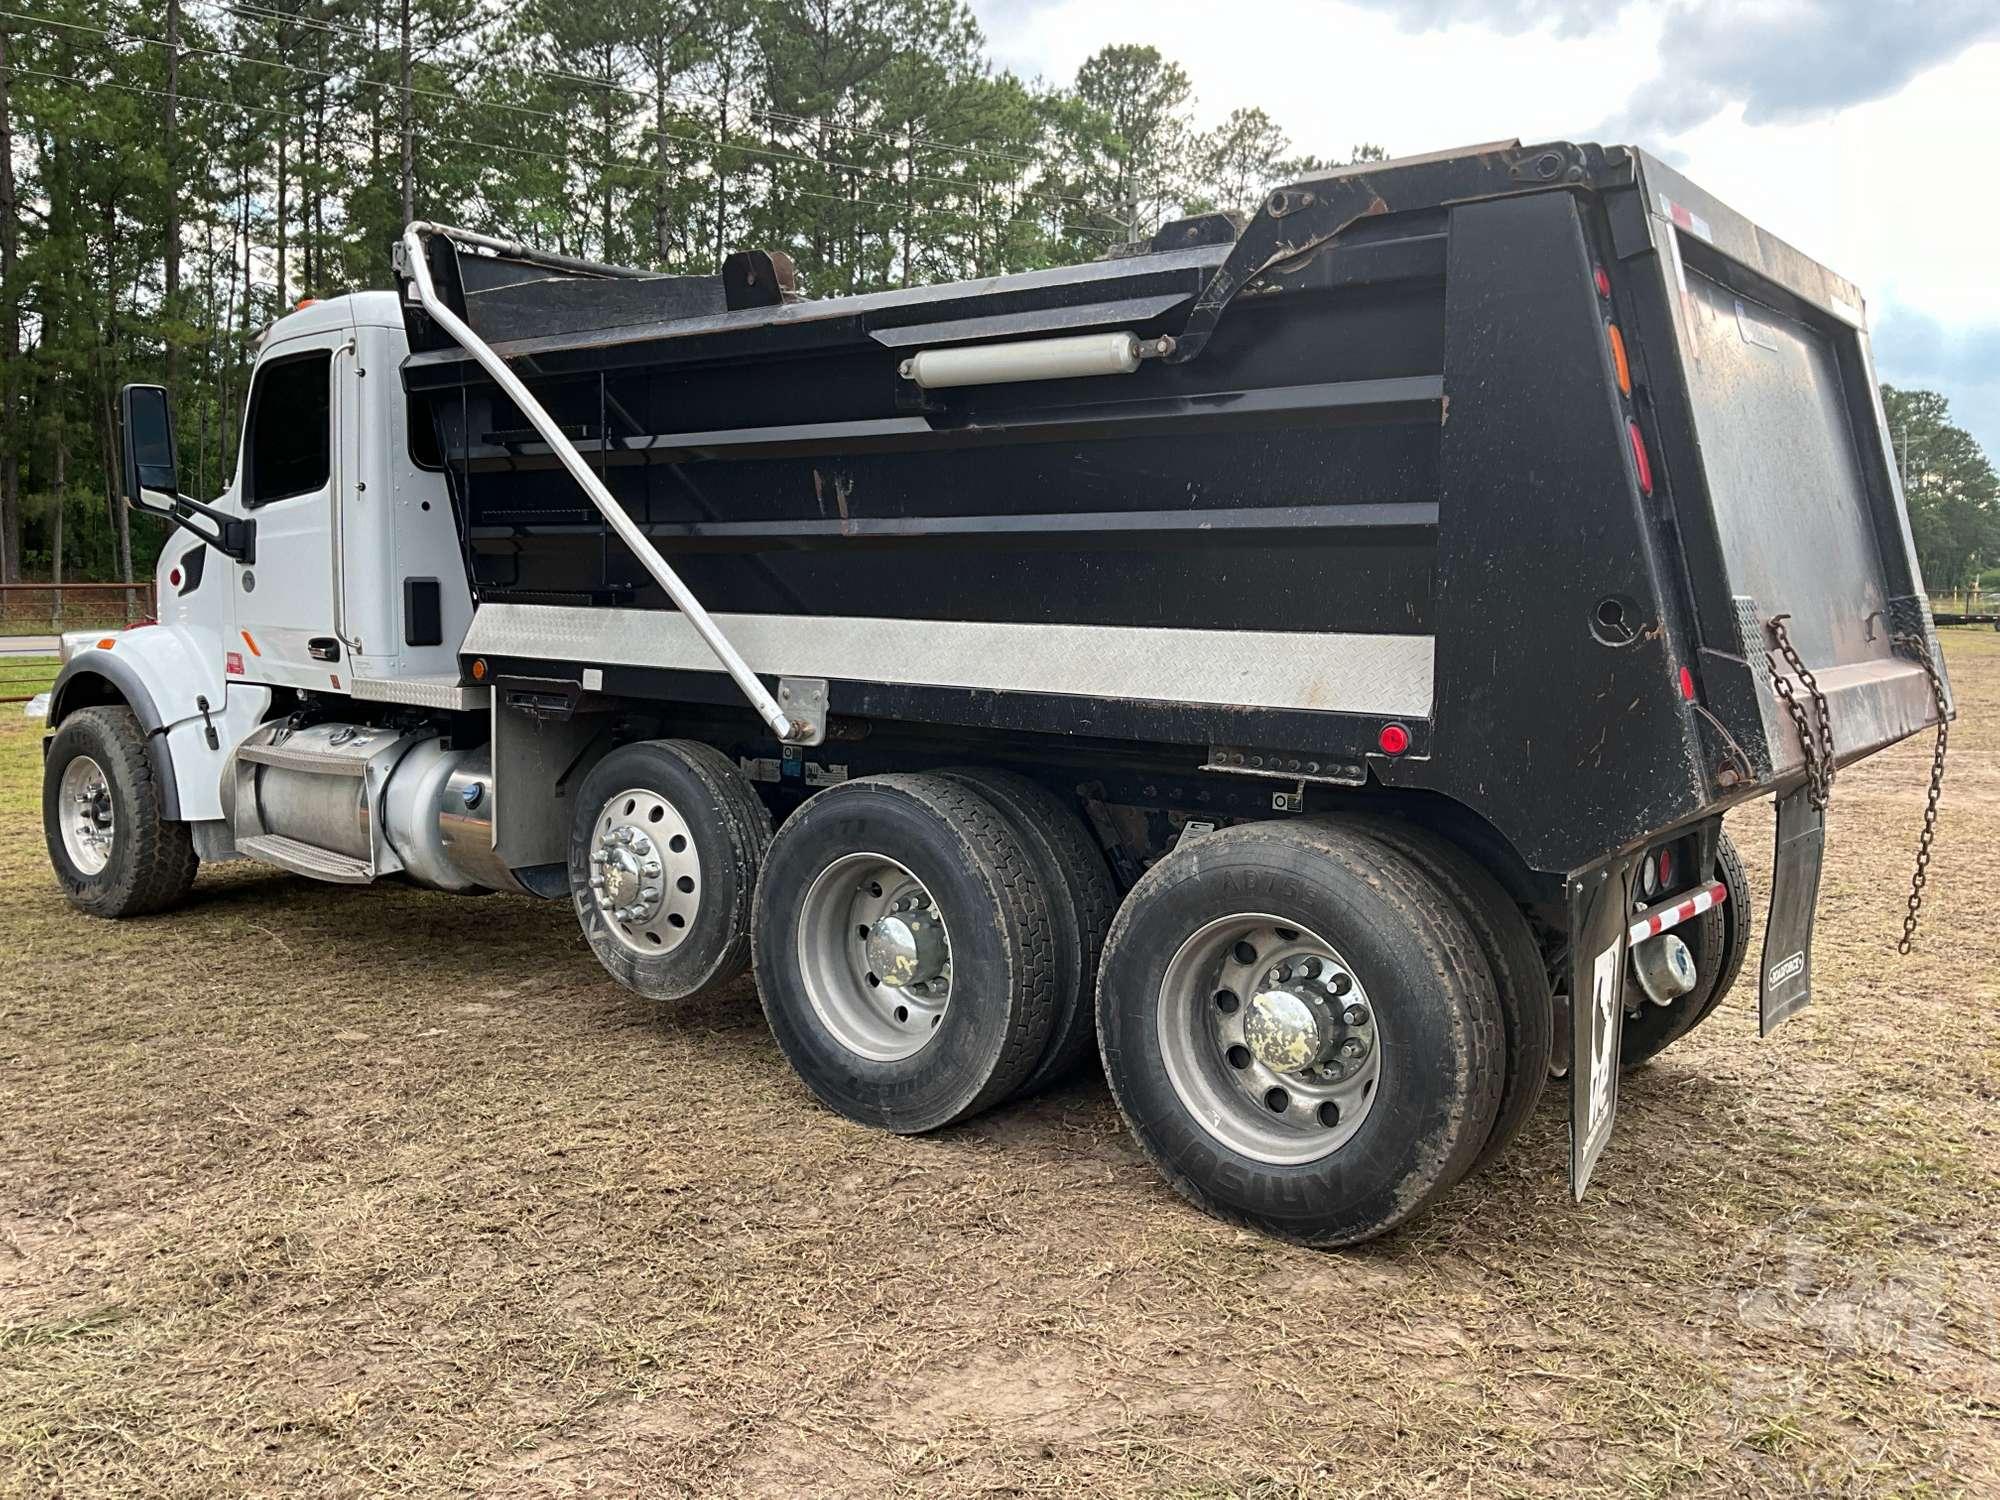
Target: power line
x,y
715,143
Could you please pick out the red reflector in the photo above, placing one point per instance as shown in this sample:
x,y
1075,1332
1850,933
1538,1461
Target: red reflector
x,y
1687,684
1644,464
1667,867
1394,739
175,578
1603,283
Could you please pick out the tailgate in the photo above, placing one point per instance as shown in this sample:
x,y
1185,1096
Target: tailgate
x,y
1782,481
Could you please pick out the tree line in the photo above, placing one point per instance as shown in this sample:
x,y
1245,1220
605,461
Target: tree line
x,y
175,174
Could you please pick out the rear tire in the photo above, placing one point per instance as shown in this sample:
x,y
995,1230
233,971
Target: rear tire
x,y
1403,962
1527,1009
696,825
1718,940
114,854
1081,902
906,957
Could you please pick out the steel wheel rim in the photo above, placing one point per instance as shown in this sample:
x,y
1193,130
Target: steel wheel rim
x,y
89,826
1208,1001
645,876
846,907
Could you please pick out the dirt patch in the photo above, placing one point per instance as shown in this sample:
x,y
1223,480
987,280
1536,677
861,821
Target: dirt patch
x,y
315,1191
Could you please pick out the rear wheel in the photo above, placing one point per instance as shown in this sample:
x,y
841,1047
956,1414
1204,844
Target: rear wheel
x,y
1298,1026
1520,977
1717,942
114,854
906,956
663,862
1082,899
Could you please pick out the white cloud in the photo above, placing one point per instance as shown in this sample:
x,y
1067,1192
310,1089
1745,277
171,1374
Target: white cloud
x,y
1880,189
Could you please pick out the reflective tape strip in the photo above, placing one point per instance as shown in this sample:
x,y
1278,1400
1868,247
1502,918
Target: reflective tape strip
x,y
1660,918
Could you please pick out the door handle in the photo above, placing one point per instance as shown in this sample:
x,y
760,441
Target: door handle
x,y
323,648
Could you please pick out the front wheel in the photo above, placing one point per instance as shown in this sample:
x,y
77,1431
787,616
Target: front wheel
x,y
113,852
1300,1029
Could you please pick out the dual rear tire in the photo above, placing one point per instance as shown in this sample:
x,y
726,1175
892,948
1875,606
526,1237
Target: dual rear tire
x,y
1302,1031
1314,1028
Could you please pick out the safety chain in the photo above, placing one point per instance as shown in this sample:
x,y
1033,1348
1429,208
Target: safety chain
x,y
1815,744
1917,647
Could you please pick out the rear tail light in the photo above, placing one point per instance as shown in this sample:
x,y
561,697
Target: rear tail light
x,y
1603,280
1639,459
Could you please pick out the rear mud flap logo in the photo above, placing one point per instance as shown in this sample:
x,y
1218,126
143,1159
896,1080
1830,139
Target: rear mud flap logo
x,y
1789,968
1603,1049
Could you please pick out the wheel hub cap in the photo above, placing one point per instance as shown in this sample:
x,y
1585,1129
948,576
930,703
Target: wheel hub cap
x,y
1284,1030
645,876
905,948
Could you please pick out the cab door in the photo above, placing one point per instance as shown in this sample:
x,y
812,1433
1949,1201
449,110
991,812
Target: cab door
x,y
286,615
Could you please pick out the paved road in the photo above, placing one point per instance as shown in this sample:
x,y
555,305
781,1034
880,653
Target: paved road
x,y
27,645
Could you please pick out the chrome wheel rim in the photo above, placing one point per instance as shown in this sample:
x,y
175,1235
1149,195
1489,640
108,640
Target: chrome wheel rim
x,y
1269,1039
645,876
875,954
89,827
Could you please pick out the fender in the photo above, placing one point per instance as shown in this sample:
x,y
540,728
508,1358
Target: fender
x,y
77,686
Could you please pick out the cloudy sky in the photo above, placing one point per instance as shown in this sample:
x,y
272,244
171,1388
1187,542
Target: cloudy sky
x,y
1862,131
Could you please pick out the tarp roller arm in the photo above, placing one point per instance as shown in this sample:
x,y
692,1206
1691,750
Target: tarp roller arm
x,y
781,724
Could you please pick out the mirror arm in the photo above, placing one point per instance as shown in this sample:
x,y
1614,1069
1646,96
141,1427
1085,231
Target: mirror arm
x,y
233,536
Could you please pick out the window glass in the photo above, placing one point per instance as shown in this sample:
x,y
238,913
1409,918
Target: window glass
x,y
291,414
424,450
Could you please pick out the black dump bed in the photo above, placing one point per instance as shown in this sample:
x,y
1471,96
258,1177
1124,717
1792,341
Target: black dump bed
x,y
1389,474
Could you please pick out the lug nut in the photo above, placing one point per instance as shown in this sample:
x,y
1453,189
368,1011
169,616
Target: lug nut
x,y
1352,1047
650,869
1354,1015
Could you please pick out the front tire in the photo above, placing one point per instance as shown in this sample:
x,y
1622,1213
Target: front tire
x,y
113,852
1354,1120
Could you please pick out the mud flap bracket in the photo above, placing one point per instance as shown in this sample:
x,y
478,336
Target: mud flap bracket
x,y
1784,985
1600,906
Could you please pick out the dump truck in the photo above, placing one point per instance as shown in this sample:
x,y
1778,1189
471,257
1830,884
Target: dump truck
x,y
1299,662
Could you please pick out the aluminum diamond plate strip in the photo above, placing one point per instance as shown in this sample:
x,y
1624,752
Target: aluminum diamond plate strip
x,y
1389,675
421,692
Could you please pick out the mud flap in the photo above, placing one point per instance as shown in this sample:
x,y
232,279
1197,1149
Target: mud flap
x,y
1600,912
1784,985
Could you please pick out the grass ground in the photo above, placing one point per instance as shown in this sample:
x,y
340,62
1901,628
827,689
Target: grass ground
x,y
314,1191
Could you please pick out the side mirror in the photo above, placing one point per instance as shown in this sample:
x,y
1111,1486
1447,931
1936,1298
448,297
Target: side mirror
x,y
152,468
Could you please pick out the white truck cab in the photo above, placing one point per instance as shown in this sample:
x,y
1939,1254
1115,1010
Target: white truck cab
x,y
330,566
